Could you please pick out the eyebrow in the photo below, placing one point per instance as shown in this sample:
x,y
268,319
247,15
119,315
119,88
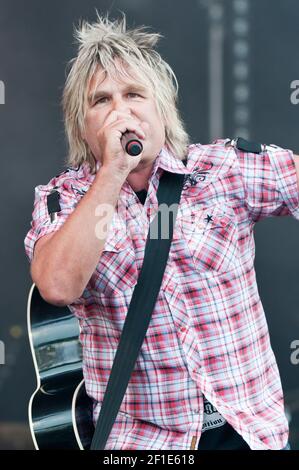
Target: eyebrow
x,y
100,93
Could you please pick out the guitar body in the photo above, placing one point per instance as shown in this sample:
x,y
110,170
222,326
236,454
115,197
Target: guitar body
x,y
60,411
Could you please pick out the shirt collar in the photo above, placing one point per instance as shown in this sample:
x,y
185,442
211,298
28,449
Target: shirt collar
x,y
167,161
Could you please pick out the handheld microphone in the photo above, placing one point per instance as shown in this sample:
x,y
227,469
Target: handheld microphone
x,y
131,144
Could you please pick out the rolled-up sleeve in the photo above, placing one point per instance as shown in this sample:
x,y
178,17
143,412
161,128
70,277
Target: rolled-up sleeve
x,y
41,223
270,182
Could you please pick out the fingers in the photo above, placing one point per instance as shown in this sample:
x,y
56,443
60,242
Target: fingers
x,y
115,116
122,123
131,126
119,117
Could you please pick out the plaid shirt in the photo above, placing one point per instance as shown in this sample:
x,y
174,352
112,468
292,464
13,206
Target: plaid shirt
x,y
208,334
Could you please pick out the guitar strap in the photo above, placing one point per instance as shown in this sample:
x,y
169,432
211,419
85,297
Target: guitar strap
x,y
141,306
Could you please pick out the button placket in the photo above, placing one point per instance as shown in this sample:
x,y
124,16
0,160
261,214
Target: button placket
x,y
195,432
133,218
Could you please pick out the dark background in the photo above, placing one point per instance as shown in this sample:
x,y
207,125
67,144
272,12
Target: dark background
x,y
36,42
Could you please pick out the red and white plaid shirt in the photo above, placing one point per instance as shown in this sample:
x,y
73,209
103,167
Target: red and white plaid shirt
x,y
208,332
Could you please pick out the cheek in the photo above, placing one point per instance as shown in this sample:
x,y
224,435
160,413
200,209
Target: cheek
x,y
94,121
154,120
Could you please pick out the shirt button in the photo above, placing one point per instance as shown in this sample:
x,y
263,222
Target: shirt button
x,y
183,329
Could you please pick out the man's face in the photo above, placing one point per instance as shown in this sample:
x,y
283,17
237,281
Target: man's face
x,y
136,101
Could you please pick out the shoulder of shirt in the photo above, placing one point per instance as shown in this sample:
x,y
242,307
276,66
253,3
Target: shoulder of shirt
x,y
229,142
74,180
210,148
248,146
212,152
218,157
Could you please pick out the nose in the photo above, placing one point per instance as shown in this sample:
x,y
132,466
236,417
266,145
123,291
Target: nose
x,y
119,104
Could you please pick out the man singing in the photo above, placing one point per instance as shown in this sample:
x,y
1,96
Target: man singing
x,y
206,376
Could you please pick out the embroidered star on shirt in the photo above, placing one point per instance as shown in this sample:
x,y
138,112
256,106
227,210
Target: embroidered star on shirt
x,y
209,218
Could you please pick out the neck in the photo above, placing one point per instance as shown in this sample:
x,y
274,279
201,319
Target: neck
x,y
138,184
138,179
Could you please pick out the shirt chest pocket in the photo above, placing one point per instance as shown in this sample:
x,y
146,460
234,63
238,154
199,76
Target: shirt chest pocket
x,y
211,236
116,271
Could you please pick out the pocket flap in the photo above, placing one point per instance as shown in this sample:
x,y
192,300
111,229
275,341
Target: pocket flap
x,y
117,240
199,218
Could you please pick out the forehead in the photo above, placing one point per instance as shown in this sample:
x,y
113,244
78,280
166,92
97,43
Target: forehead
x,y
120,74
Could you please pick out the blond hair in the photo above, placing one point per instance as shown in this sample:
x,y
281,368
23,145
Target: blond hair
x,y
100,43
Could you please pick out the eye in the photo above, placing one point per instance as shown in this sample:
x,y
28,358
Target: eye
x,y
101,100
132,93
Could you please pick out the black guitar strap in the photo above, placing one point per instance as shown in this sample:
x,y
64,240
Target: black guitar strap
x,y
141,306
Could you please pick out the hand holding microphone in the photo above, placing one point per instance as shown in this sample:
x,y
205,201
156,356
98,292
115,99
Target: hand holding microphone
x,y
121,138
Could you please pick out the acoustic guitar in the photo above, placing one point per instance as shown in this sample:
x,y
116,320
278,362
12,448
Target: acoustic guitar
x,y
60,411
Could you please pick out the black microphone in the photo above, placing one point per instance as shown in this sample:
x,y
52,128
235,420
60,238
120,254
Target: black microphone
x,y
131,144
